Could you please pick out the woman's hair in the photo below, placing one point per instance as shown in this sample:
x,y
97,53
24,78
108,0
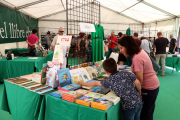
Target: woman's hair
x,y
123,35
89,36
131,47
82,35
120,34
143,37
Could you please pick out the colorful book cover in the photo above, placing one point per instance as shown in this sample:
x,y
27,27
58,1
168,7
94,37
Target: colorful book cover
x,y
45,91
50,78
82,91
43,76
101,104
84,74
114,99
91,72
94,95
71,87
34,88
95,69
100,67
58,54
64,77
76,76
84,100
30,84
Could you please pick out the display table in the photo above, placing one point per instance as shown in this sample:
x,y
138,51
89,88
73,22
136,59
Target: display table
x,y
3,69
17,51
21,103
22,66
58,109
173,62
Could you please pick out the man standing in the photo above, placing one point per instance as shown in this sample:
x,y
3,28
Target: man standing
x,y
32,40
112,44
160,44
61,32
136,39
173,45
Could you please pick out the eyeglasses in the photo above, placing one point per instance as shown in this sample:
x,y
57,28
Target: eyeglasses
x,y
61,31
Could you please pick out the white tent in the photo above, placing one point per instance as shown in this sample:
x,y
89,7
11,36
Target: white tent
x,y
115,15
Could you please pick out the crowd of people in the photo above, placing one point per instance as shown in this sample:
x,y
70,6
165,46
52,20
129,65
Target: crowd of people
x,y
137,102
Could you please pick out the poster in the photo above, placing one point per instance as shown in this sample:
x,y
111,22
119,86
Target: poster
x,y
64,41
58,55
87,27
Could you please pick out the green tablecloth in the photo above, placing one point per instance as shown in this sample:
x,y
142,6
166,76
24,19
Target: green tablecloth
x,y
21,103
172,62
58,109
3,69
17,51
22,66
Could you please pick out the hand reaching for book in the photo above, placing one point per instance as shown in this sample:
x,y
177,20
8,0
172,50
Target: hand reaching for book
x,y
81,83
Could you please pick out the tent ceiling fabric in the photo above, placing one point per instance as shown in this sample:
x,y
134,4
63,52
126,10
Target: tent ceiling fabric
x,y
136,9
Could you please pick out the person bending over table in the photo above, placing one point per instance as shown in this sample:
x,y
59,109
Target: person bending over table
x,y
32,40
122,83
143,69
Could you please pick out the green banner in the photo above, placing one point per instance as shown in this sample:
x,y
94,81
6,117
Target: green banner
x,y
15,26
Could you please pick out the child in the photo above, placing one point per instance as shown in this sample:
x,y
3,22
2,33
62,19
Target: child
x,y
122,84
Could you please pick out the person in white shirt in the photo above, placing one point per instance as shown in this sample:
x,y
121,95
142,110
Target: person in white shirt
x,y
61,32
146,45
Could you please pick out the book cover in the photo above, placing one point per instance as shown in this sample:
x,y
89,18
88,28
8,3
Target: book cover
x,y
100,67
94,95
32,86
39,86
58,93
95,69
114,99
71,87
71,96
76,76
84,100
91,72
101,104
82,91
84,74
50,78
58,54
29,84
64,77
43,75
45,90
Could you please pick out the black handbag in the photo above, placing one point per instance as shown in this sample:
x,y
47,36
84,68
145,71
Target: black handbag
x,y
9,57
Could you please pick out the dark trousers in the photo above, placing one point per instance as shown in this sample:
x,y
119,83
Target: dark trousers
x,y
149,99
89,56
110,50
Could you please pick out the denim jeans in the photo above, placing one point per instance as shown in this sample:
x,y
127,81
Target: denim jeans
x,y
110,50
132,114
149,99
89,56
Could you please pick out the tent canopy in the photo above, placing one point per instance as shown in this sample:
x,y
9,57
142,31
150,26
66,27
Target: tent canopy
x,y
142,11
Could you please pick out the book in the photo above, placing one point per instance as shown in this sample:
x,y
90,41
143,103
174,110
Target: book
x,y
114,99
101,104
71,87
94,95
43,73
100,68
58,54
50,78
45,90
39,86
82,91
29,84
84,100
84,74
95,69
34,77
71,96
76,76
64,77
91,72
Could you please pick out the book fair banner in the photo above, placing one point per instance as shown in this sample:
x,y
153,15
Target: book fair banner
x,y
15,26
